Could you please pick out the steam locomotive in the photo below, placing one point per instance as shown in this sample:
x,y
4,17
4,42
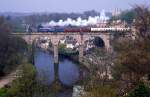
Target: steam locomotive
x,y
78,29
63,29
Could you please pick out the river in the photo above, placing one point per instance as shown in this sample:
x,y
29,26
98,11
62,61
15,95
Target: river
x,y
68,72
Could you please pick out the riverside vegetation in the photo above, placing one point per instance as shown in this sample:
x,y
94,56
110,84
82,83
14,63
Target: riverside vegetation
x,y
129,65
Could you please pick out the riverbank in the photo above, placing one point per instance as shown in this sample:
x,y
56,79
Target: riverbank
x,y
7,79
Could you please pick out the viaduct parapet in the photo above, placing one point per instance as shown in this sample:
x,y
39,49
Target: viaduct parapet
x,y
104,33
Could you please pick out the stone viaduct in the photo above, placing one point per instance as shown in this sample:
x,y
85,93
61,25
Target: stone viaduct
x,y
81,37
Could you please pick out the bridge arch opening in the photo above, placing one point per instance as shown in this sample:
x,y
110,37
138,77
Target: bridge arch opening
x,y
98,42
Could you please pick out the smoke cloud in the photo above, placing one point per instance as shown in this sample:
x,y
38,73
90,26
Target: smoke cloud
x,y
79,21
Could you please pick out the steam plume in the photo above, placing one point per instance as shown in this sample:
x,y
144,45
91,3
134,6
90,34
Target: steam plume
x,y
79,21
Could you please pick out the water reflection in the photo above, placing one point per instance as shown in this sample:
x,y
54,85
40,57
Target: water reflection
x,y
68,72
44,66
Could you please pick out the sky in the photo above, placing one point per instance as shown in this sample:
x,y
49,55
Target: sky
x,y
66,5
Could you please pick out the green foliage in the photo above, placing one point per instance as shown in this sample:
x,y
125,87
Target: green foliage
x,y
140,91
26,85
23,83
11,48
3,92
62,47
66,51
128,16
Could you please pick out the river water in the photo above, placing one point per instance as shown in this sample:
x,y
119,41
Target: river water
x,y
68,72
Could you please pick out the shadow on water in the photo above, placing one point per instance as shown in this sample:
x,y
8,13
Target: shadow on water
x,y
66,71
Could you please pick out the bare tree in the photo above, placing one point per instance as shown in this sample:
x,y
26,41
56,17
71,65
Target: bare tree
x,y
142,21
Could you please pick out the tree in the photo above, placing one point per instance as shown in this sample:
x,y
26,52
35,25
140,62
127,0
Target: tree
x,y
133,55
140,91
62,48
26,84
127,16
142,22
97,83
3,92
11,48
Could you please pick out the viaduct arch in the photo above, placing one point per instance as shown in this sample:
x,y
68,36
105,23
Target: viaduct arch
x,y
104,33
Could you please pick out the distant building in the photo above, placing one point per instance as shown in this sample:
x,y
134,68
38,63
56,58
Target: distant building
x,y
116,12
118,23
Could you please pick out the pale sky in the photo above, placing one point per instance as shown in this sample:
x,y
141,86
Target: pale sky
x,y
66,5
